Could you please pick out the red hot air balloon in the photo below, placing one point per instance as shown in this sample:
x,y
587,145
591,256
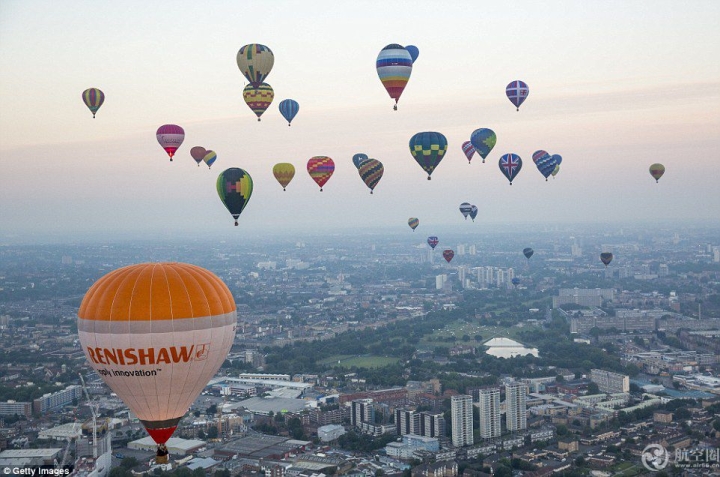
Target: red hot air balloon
x,y
320,168
170,137
448,255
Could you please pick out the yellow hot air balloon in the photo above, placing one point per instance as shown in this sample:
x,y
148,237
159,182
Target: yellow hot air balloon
x,y
284,172
156,333
255,62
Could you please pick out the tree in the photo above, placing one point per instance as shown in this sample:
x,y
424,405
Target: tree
x,y
593,388
213,433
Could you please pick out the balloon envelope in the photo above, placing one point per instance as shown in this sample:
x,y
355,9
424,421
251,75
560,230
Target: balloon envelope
x,y
320,168
428,149
93,99
170,137
557,158
528,252
359,158
414,52
432,241
289,108
234,186
606,258
448,255
465,209
515,281
517,91
255,62
156,333
413,222
284,173
210,157
468,150
657,170
371,171
197,153
473,212
258,98
510,165
544,162
483,140
394,66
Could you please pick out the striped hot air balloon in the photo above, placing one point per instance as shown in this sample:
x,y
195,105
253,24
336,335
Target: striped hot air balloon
x,y
394,66
210,157
320,168
656,171
371,171
255,62
156,333
93,99
258,98
289,109
413,222
468,150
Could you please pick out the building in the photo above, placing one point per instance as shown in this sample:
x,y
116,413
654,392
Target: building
x,y
516,406
489,407
11,408
432,424
330,432
583,296
462,420
51,402
407,422
362,410
609,382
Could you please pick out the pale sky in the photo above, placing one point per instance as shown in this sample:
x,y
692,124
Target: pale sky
x,y
614,87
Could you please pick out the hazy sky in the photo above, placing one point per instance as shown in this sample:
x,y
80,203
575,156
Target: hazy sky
x,y
614,87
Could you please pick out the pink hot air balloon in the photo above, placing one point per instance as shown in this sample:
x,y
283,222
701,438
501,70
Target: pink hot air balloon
x,y
170,137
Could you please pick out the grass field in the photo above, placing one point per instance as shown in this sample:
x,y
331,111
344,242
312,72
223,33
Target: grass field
x,y
345,361
461,328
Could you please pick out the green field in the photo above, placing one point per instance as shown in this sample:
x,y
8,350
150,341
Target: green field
x,y
345,361
460,328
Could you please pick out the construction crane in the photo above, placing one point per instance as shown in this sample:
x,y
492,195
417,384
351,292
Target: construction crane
x,y
94,408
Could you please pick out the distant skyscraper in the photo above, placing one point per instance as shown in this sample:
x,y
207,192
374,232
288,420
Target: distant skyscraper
x,y
362,411
440,281
489,406
407,422
462,420
460,249
515,406
432,424
472,249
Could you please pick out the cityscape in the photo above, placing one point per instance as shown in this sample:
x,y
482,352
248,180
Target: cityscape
x,y
368,354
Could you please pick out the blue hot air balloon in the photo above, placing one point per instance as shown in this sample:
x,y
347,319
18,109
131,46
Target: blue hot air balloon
x,y
544,162
483,140
289,108
515,281
473,212
510,165
359,158
517,91
414,52
557,158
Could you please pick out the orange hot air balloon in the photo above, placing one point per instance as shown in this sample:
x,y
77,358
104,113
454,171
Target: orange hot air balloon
x,y
156,333
284,173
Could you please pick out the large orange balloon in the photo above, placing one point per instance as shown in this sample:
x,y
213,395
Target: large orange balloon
x,y
156,333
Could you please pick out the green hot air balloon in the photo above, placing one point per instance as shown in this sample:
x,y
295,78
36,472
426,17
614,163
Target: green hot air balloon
x,y
428,149
234,186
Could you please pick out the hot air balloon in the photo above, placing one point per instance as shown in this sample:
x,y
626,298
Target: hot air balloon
x,y
284,172
156,333
210,158
657,170
414,52
93,99
510,165
432,241
448,255
517,91
197,153
473,212
544,162
465,209
289,108
515,281
468,150
606,258
428,149
320,168
483,140
556,170
234,186
170,137
258,98
528,252
255,62
359,158
394,65
557,158
413,222
371,171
